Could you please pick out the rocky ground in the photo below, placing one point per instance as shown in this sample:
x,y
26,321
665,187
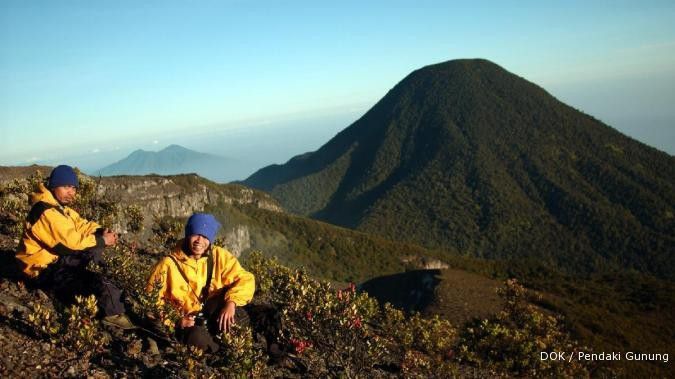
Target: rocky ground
x,y
25,354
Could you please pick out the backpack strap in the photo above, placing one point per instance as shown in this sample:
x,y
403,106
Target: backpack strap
x,y
37,210
209,274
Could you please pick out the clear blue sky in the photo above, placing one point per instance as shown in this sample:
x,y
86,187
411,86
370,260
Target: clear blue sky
x,y
83,76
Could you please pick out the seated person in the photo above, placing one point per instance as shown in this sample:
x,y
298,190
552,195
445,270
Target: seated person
x,y
205,282
57,245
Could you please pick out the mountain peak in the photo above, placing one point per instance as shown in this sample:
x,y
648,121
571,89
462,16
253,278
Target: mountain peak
x,y
138,152
173,159
175,148
461,64
466,156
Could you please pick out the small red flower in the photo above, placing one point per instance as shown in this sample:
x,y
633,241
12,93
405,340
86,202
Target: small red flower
x,y
352,287
308,316
300,345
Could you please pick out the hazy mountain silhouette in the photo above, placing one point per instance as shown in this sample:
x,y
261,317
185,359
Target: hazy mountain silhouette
x,y
466,156
173,159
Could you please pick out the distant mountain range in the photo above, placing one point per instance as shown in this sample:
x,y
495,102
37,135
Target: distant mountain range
x,y
172,160
468,157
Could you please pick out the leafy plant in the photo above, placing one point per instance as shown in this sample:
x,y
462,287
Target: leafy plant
x,y
135,218
14,203
44,322
82,328
165,233
240,357
512,340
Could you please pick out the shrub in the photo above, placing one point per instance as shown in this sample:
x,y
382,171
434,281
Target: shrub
x,y
95,203
510,342
14,204
424,346
165,233
44,322
82,331
240,357
340,332
135,218
191,361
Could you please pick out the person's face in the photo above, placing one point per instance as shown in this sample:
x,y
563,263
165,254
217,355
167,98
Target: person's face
x,y
198,244
64,194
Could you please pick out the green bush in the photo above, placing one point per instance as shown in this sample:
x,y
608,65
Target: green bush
x,y
82,329
511,341
340,332
44,321
135,217
14,205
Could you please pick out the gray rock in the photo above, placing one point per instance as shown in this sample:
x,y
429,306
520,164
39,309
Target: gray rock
x,y
43,296
153,349
13,304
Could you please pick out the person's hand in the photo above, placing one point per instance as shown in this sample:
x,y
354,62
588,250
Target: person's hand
x,y
226,317
109,237
187,321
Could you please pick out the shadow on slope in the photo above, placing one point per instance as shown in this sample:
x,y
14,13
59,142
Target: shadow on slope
x,y
454,294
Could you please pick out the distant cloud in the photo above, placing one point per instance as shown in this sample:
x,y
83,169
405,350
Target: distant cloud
x,y
32,159
96,150
155,142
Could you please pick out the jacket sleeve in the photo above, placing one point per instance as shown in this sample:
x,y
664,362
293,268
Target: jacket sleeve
x,y
58,233
83,225
240,281
159,278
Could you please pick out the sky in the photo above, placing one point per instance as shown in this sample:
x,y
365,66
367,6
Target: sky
x,y
87,82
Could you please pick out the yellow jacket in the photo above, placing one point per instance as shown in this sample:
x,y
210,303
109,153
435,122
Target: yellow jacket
x,y
52,230
227,273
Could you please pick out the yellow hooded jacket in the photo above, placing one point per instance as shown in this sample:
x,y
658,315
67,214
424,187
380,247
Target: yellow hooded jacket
x,y
227,273
52,230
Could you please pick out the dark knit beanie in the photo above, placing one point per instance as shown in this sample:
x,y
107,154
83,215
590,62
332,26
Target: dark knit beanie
x,y
63,176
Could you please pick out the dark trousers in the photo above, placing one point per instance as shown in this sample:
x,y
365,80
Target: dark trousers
x,y
264,320
68,277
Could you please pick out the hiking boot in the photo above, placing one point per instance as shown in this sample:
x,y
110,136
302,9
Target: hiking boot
x,y
119,321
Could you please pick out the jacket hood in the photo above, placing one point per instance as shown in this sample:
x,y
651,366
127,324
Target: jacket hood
x,y
43,194
180,255
177,250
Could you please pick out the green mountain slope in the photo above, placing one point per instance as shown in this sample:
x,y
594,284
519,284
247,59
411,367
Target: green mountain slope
x,y
466,156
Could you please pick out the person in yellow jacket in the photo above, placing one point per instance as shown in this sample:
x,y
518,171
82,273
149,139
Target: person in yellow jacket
x,y
204,282
57,244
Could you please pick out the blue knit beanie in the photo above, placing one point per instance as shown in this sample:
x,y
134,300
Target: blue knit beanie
x,y
204,224
63,176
